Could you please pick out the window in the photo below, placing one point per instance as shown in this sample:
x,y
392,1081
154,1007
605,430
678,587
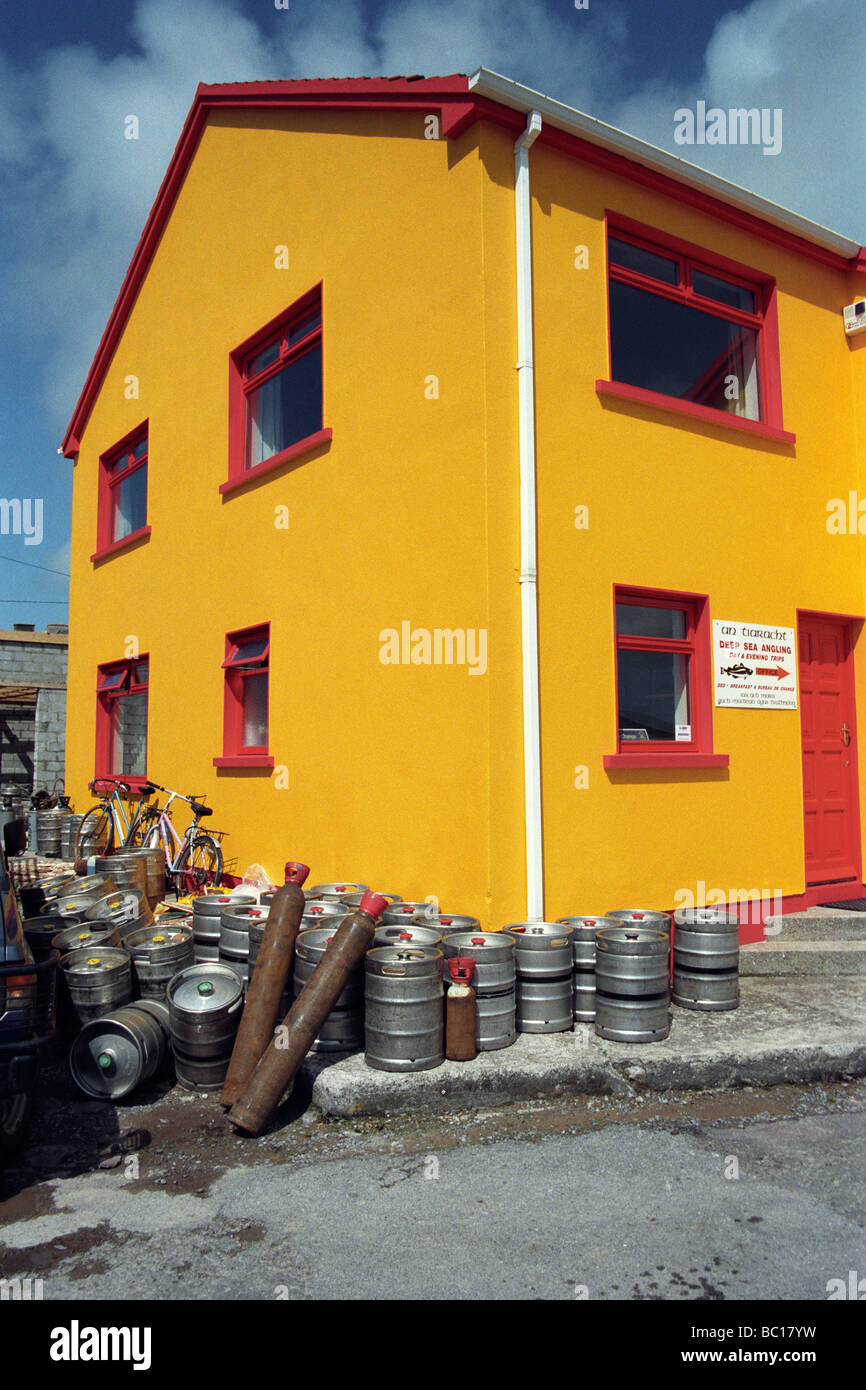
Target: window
x,y
275,392
245,723
689,327
123,493
663,692
121,719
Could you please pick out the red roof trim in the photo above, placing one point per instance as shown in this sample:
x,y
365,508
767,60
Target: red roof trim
x,y
459,109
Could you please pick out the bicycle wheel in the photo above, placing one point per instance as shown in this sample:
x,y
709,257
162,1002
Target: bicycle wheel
x,y
95,833
139,832
199,865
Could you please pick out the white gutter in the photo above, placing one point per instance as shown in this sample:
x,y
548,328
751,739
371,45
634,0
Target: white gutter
x,y
485,83
528,546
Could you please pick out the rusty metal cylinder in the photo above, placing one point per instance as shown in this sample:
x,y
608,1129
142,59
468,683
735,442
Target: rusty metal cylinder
x,y
276,1071
269,981
343,1029
493,982
460,1041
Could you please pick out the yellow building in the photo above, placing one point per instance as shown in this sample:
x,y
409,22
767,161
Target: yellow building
x,y
466,502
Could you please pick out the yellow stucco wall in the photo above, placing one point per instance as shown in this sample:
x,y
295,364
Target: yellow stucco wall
x,y
675,504
389,766
411,777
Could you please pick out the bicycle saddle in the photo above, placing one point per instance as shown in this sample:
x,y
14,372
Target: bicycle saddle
x,y
201,810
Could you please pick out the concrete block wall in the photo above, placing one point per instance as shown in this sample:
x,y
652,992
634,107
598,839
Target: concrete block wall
x,y
49,761
17,747
33,738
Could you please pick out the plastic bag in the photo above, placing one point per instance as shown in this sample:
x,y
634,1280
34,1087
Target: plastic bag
x,y
256,877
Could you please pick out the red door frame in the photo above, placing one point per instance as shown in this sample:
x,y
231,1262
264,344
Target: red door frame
x,y
848,888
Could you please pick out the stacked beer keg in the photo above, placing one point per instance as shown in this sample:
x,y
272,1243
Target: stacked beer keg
x,y
404,1017
204,1006
544,984
706,958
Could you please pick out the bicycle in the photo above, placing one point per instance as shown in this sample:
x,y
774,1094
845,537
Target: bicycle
x,y
108,823
198,862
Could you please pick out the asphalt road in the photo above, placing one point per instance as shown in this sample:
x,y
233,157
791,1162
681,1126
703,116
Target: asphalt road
x,y
649,1205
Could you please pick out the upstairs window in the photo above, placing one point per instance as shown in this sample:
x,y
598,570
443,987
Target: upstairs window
x,y
689,328
123,490
121,718
246,692
275,391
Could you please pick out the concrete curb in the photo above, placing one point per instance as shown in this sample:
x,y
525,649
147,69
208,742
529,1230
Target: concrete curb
x,y
785,1031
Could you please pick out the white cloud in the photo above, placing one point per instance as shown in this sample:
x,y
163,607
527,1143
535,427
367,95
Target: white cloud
x,y
78,193
801,57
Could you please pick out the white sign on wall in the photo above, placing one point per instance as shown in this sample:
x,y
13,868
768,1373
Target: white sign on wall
x,y
754,666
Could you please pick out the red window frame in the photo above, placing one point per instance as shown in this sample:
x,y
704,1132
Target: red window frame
x,y
698,751
106,696
108,481
242,384
688,258
237,669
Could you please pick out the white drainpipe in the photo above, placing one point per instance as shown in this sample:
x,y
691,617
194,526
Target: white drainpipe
x,y
528,548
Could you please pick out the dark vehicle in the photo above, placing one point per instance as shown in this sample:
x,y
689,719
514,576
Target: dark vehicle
x,y
26,1017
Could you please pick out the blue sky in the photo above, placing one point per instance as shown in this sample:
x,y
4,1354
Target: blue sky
x,y
76,194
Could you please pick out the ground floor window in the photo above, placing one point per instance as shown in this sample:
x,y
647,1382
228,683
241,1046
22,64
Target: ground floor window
x,y
662,671
246,691
121,718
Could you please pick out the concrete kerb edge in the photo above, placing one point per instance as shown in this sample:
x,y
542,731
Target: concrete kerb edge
x,y
444,1089
345,1094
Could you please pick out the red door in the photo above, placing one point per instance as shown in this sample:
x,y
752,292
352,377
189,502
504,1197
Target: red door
x,y
830,784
